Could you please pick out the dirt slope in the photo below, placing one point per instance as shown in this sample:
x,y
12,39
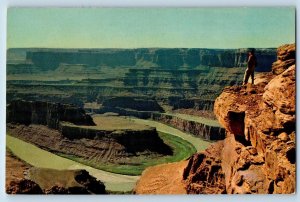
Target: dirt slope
x,y
162,179
15,168
16,171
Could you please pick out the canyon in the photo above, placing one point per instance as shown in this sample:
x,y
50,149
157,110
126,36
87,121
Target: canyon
x,y
64,100
137,82
69,130
175,78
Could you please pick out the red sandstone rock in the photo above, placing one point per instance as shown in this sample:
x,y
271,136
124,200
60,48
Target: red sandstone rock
x,y
280,96
204,174
162,179
258,153
285,58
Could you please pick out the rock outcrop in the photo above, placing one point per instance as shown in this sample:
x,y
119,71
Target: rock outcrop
x,y
162,179
51,115
45,113
286,57
203,174
132,141
258,154
23,186
66,181
15,173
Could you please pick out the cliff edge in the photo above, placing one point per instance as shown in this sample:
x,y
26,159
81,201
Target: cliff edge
x,y
258,154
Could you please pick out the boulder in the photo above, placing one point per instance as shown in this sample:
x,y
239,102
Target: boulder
x,y
286,57
24,186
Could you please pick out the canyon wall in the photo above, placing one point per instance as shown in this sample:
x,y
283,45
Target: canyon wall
x,y
179,77
49,59
258,154
196,103
68,130
196,128
203,130
132,140
44,113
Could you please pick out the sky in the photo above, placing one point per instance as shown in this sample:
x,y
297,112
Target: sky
x,y
150,27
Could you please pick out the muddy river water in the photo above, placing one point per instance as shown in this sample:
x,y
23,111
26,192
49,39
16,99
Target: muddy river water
x,y
115,182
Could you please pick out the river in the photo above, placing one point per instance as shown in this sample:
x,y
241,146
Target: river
x,y
41,158
197,142
115,182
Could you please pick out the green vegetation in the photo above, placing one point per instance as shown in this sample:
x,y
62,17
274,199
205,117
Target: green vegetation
x,y
182,149
198,143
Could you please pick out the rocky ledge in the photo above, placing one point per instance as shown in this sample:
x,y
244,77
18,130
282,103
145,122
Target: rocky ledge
x,y
258,154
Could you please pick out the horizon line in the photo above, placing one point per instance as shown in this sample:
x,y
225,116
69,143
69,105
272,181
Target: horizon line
x,y
143,47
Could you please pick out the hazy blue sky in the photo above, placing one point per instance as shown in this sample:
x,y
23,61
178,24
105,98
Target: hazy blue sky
x,y
156,27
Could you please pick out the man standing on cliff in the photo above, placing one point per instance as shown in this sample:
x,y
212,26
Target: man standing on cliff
x,y
251,64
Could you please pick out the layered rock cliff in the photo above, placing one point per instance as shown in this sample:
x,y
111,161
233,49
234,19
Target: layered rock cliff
x,y
179,77
49,59
45,113
258,154
204,129
125,140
